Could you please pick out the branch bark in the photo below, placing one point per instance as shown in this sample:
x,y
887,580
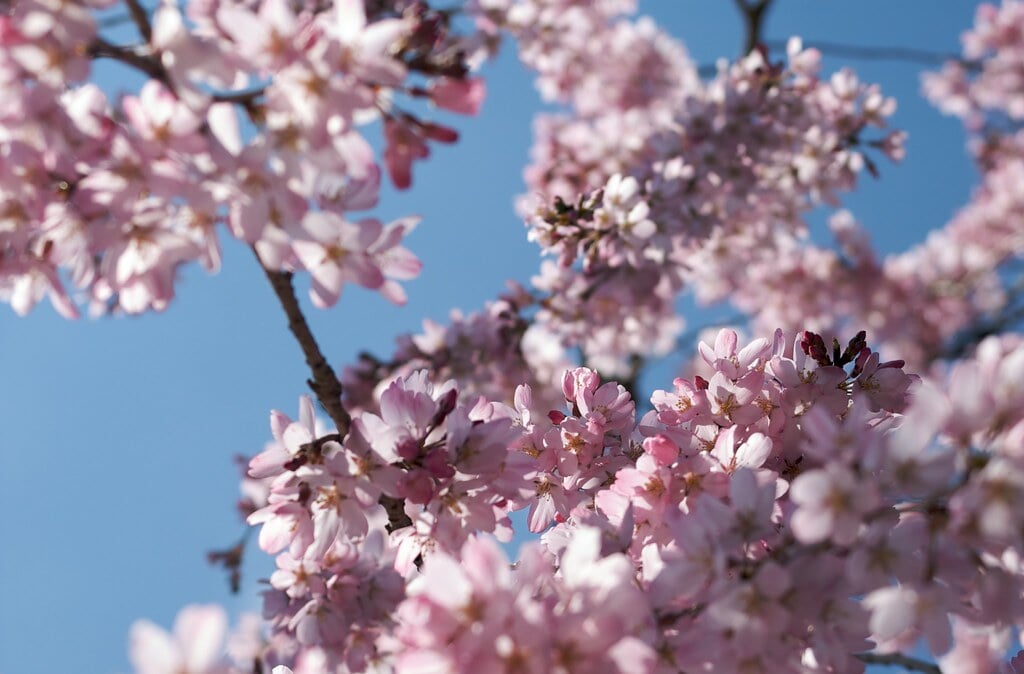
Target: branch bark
x,y
899,660
100,48
754,13
141,19
324,383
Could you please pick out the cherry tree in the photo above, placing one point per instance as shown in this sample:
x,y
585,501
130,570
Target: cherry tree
x,y
842,488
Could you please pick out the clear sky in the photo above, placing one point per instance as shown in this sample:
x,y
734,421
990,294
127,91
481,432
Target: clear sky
x,y
117,435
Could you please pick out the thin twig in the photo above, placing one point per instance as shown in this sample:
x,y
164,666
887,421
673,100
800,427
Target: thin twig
x,y
866,53
150,65
881,53
141,19
899,660
325,382
231,559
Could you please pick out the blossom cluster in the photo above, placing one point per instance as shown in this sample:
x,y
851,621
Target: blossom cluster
x,y
990,77
658,181
636,204
929,302
341,561
248,121
582,612
803,504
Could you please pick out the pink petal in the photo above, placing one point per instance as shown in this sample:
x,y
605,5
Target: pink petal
x,y
200,631
152,650
462,96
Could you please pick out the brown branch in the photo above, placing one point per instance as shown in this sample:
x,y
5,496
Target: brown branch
x,y
141,19
395,507
899,660
754,13
324,383
245,98
148,64
151,65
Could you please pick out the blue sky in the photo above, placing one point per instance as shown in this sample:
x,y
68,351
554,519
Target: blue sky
x,y
117,434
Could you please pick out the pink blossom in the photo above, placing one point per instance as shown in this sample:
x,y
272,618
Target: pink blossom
x,y
160,117
365,252
404,147
685,403
463,96
831,504
192,648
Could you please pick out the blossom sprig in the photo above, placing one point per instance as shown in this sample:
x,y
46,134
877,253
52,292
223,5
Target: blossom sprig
x,y
988,81
340,569
196,644
682,185
963,273
475,612
114,197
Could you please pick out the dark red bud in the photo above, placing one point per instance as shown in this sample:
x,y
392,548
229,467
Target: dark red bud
x,y
442,134
408,449
556,417
444,407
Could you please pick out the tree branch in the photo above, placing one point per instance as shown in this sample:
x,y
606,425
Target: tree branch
x,y
753,12
899,660
395,507
100,48
325,382
151,65
881,53
141,19
244,98
866,53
